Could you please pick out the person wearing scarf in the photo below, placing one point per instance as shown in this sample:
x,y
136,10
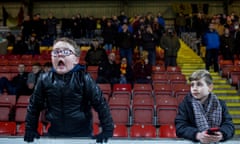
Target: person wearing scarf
x,y
201,110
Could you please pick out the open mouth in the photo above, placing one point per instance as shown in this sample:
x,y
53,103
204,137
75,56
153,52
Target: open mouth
x,y
61,63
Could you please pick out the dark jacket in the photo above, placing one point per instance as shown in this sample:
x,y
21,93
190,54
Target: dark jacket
x,y
20,82
149,41
186,126
108,71
95,56
125,40
170,44
69,99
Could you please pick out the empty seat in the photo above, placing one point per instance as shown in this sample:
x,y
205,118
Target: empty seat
x,y
223,63
120,131
173,70
122,87
142,88
235,79
177,78
23,101
120,114
4,113
160,78
147,131
143,114
21,129
7,100
7,128
106,89
180,88
20,115
158,69
166,115
95,129
162,89
4,69
167,131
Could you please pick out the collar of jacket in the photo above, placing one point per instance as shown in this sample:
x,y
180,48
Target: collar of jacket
x,y
78,67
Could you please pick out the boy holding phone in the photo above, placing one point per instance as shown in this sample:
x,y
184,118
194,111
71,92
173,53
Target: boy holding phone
x,y
202,117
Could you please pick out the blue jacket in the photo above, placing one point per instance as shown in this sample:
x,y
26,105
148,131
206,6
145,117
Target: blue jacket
x,y
211,40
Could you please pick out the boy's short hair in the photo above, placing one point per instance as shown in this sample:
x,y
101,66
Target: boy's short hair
x,y
71,42
199,74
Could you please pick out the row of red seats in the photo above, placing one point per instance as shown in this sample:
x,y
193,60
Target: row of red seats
x,y
16,127
147,131
231,71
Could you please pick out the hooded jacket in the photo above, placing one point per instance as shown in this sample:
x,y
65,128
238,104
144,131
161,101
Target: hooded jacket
x,y
69,99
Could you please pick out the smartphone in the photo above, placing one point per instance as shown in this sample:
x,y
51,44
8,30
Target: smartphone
x,y
212,131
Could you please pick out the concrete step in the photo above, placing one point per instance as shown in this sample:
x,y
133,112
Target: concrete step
x,y
233,104
224,92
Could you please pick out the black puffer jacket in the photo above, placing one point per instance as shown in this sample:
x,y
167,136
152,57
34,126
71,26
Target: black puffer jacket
x,y
69,99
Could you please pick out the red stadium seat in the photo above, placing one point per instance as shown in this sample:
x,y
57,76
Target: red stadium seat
x,y
162,89
160,78
120,131
7,100
120,114
23,101
4,69
20,115
173,70
146,131
143,114
4,113
167,131
95,129
138,88
21,129
8,128
122,87
158,69
177,78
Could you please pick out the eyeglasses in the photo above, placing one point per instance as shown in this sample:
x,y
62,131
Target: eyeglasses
x,y
63,52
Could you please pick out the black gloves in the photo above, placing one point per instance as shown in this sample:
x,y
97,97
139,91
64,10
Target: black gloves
x,y
30,135
103,137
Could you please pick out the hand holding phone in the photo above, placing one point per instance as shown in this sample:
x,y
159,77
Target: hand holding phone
x,y
212,131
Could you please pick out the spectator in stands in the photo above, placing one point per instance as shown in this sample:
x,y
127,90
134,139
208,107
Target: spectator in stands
x,y
68,93
47,67
227,45
211,40
150,40
126,72
96,54
108,71
20,46
143,69
10,38
90,27
18,85
125,43
201,110
180,23
237,41
33,76
51,24
37,26
171,44
33,46
26,28
109,35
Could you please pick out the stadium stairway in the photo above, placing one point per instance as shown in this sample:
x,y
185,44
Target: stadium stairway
x,y
189,61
